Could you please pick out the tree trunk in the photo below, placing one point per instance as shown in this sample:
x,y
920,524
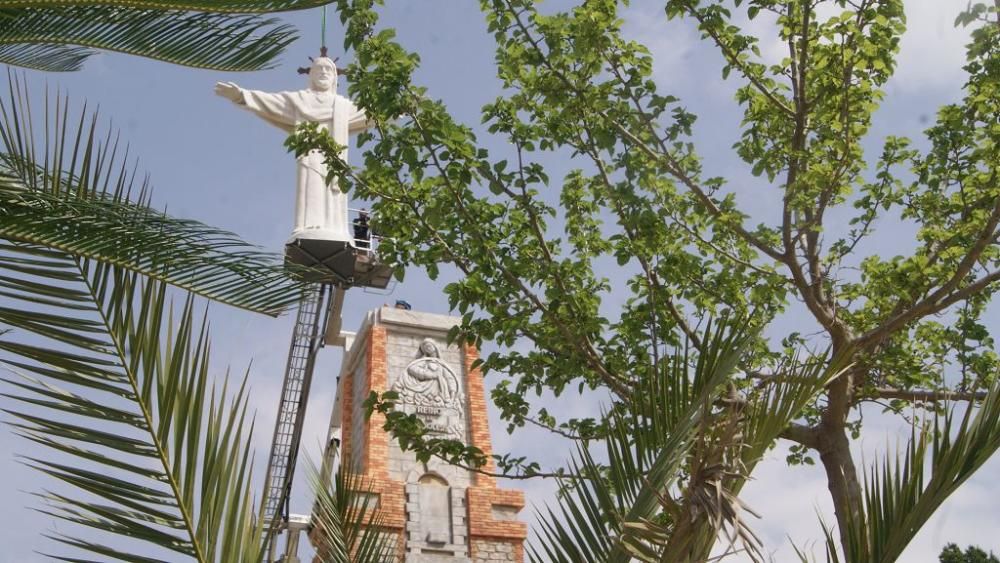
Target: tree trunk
x,y
842,480
835,452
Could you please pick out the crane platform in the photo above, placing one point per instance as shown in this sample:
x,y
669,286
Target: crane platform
x,y
339,262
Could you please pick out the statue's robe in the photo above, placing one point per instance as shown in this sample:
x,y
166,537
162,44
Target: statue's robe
x,y
320,208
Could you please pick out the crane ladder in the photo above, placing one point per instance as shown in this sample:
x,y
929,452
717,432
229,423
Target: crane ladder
x,y
307,339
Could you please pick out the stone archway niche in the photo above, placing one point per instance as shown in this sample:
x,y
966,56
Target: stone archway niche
x,y
435,521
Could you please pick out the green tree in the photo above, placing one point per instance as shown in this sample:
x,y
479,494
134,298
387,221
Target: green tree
x,y
952,554
533,252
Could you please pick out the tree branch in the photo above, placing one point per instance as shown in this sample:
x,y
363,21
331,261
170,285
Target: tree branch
x,y
652,281
665,158
801,434
580,342
651,126
734,60
927,396
558,431
940,298
924,308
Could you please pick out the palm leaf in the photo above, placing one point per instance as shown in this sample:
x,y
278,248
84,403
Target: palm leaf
x,y
829,546
210,6
346,521
60,37
671,439
116,387
55,58
729,451
652,501
902,494
602,516
769,412
70,194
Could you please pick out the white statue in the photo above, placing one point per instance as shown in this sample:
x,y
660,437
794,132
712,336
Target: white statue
x,y
320,208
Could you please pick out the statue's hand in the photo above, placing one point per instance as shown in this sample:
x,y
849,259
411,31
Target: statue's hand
x,y
230,91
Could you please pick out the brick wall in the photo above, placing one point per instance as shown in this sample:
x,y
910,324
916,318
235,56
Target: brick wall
x,y
492,533
479,422
484,530
377,452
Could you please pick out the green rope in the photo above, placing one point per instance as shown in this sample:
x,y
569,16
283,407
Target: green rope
x,y
323,32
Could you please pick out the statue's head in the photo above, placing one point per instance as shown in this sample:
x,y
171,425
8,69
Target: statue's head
x,y
323,75
428,349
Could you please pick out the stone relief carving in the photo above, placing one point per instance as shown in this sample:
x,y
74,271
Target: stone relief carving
x,y
429,388
427,380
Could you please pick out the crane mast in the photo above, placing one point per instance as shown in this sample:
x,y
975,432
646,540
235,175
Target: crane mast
x,y
307,339
332,267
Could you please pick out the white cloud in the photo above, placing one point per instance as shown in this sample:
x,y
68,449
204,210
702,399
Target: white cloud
x,y
789,500
671,43
932,51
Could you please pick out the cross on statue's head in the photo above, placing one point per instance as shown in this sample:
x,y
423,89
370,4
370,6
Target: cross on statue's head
x,y
323,72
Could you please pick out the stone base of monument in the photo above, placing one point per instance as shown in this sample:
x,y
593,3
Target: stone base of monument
x,y
433,512
338,262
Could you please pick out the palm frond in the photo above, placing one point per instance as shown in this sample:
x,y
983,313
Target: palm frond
x,y
684,390
116,387
71,192
607,514
830,542
901,494
55,58
769,412
676,461
209,6
69,34
726,453
346,521
673,442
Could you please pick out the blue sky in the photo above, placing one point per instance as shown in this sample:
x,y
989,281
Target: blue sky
x,y
213,162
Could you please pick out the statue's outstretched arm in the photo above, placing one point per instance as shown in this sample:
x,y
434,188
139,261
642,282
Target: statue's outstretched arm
x,y
230,91
358,121
277,108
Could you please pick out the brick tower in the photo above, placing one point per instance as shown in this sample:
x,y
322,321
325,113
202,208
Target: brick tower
x,y
437,512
